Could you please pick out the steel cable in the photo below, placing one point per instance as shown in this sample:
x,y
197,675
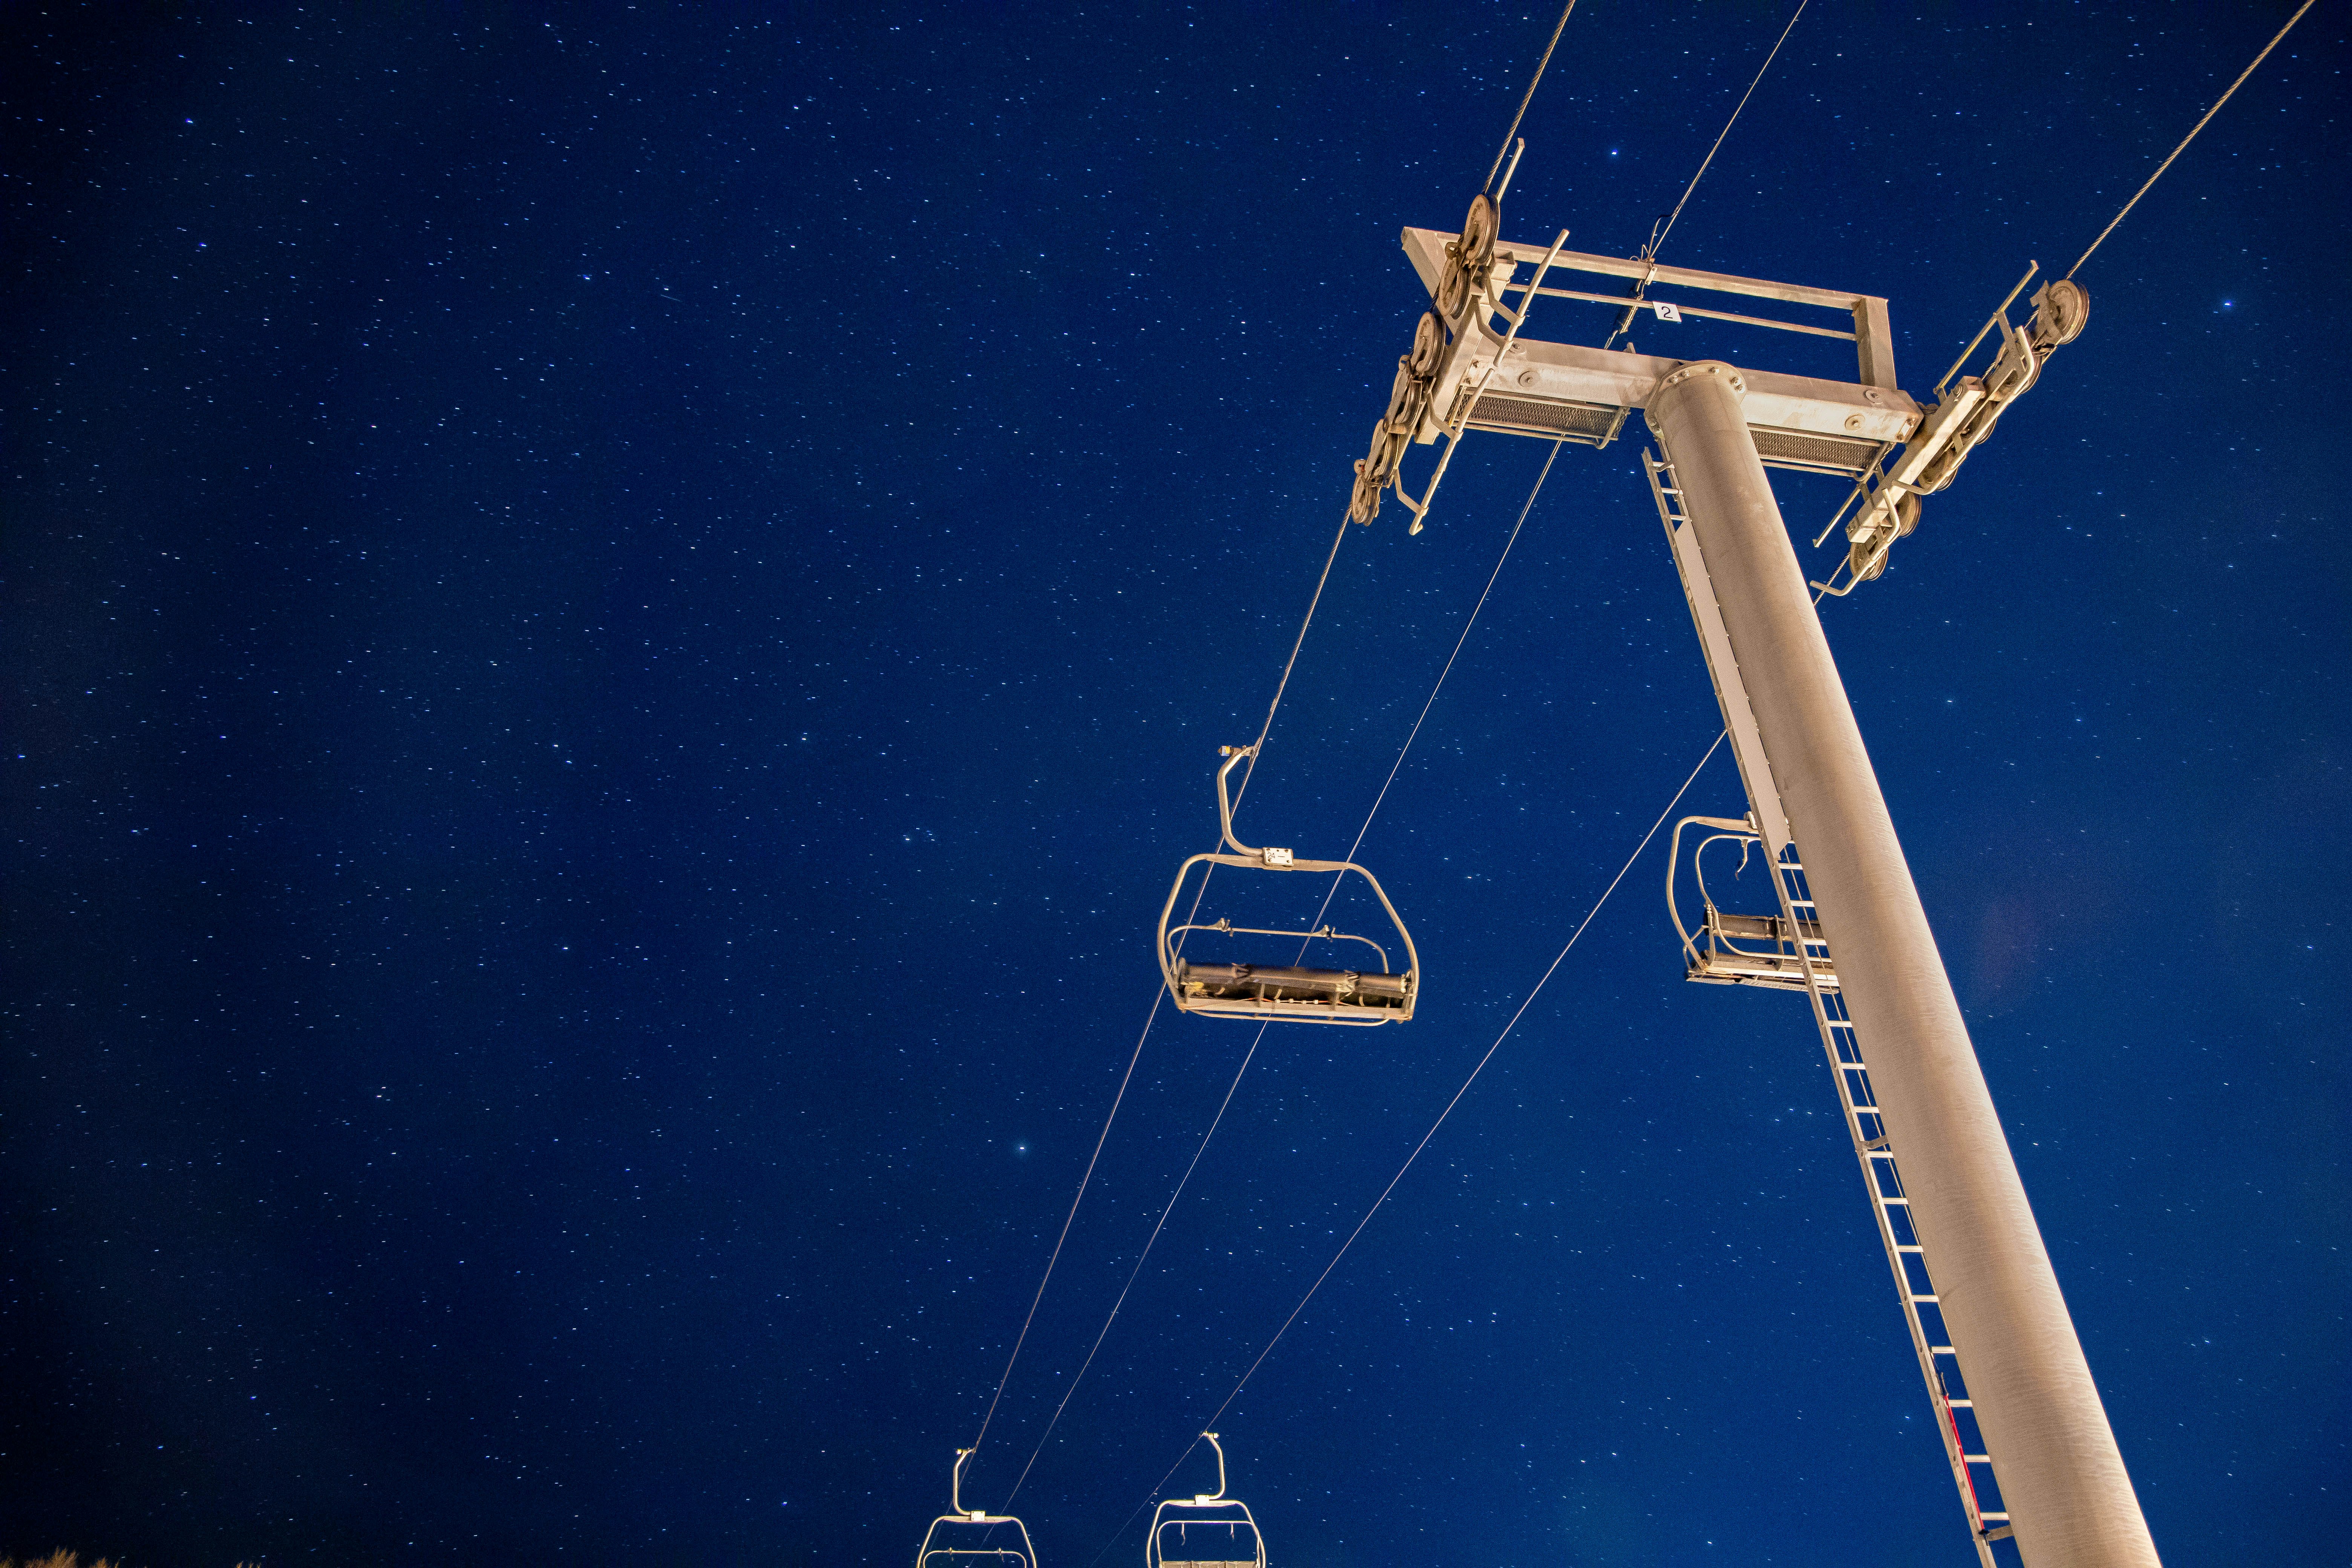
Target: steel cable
x,y
1120,1099
1665,227
1218,1120
2185,140
1067,1219
1556,29
1711,151
1426,1138
1162,1224
1450,658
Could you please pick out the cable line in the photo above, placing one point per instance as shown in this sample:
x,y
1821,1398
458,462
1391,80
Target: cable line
x,y
1665,225
1522,114
1711,151
2185,140
2063,299
1425,1137
1120,1099
1441,674
1100,1139
1258,746
1328,896
1331,892
1181,1184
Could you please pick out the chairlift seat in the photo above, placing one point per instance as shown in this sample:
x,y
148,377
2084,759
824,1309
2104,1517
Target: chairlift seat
x,y
1720,959
1744,950
1270,992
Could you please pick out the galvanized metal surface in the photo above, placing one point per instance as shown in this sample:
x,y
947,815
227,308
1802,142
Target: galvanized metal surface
x,y
2070,1500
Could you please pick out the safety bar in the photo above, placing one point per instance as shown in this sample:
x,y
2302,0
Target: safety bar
x,y
1321,933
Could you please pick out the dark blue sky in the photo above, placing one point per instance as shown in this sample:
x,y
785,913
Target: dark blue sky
x,y
615,625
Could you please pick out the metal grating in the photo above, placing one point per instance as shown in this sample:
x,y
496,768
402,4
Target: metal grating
x,y
1814,454
1584,422
1597,424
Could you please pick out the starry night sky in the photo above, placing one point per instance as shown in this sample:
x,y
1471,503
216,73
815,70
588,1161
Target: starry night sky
x,y
614,626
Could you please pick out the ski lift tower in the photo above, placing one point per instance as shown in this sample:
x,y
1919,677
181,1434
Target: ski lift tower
x,y
2030,1449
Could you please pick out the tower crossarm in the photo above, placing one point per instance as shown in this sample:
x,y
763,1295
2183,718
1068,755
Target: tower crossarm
x,y
1558,391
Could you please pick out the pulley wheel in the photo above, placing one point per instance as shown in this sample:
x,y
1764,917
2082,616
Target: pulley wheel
x,y
1428,346
1480,230
1405,401
1364,504
1379,463
1453,289
2060,309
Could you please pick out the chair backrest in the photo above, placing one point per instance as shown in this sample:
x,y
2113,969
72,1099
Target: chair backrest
x,y
939,1548
1229,1539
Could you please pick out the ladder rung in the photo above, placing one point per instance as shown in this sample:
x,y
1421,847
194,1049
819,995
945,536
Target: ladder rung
x,y
1900,1247
1977,1458
1926,1300
1962,1404
1941,1350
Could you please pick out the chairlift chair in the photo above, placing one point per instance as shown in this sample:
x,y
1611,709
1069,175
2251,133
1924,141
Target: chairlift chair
x,y
1220,1519
1741,949
1264,992
969,1541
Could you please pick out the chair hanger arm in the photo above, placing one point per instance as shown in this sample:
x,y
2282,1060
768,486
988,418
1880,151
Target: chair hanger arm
x,y
1233,754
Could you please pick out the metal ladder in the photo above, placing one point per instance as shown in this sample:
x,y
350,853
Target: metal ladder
x,y
1923,1313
